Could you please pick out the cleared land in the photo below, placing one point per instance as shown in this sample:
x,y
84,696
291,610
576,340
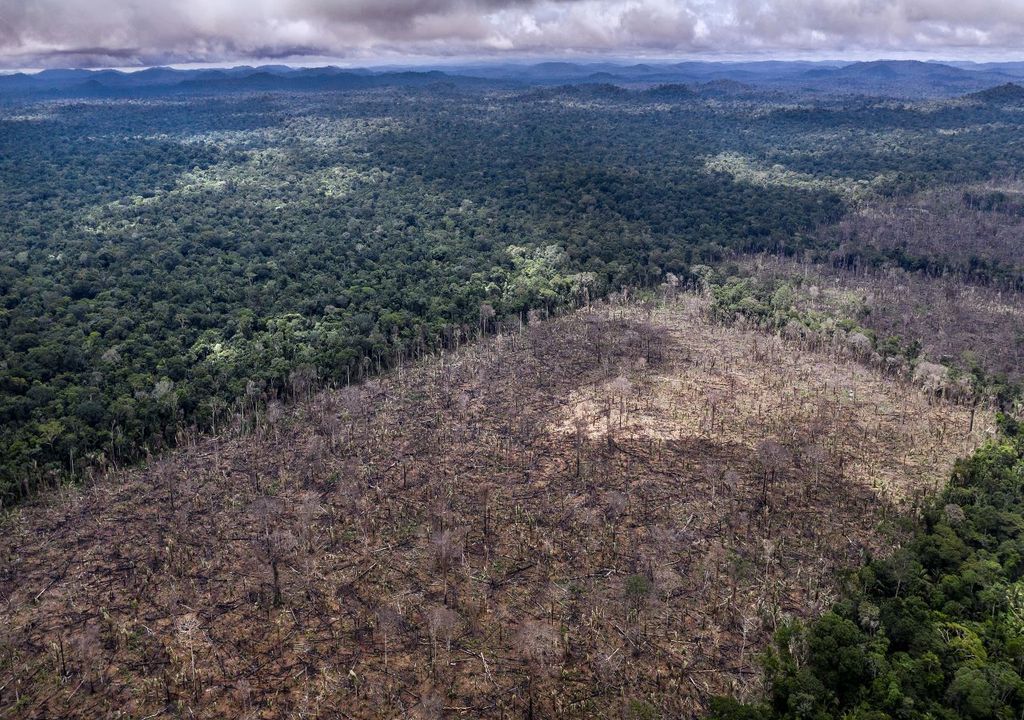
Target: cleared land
x,y
956,323
604,515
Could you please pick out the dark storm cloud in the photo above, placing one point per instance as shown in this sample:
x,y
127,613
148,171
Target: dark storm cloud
x,y
143,32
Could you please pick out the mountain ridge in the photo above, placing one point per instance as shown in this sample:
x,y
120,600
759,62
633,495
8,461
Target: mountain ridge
x,y
901,78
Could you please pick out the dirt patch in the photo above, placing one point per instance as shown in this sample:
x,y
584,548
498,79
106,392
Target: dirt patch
x,y
740,387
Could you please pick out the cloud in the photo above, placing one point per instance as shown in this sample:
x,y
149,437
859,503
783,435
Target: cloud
x,y
146,32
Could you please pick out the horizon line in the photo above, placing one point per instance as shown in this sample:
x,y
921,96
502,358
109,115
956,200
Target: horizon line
x,y
524,61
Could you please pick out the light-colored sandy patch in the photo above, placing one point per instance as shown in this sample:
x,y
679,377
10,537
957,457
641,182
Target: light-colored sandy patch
x,y
743,387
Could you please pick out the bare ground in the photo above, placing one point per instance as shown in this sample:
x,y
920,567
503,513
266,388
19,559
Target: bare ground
x,y
603,516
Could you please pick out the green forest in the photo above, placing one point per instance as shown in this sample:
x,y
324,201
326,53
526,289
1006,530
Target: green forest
x,y
168,264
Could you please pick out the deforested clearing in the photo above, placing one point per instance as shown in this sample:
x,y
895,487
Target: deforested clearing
x,y
603,514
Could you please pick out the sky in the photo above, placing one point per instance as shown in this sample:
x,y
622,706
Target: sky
x,y
136,33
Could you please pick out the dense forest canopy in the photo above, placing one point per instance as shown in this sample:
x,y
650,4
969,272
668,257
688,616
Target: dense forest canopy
x,y
166,262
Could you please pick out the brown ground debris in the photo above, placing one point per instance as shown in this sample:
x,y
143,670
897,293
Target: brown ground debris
x,y
607,513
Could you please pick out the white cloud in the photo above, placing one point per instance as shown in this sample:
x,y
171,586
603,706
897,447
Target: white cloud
x,y
127,32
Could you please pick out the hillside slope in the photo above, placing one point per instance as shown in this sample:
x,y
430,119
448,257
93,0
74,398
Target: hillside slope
x,y
605,515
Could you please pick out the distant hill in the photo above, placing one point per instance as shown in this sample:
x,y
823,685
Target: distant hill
x,y
162,80
895,68
669,92
901,78
884,78
1005,94
1007,68
725,88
